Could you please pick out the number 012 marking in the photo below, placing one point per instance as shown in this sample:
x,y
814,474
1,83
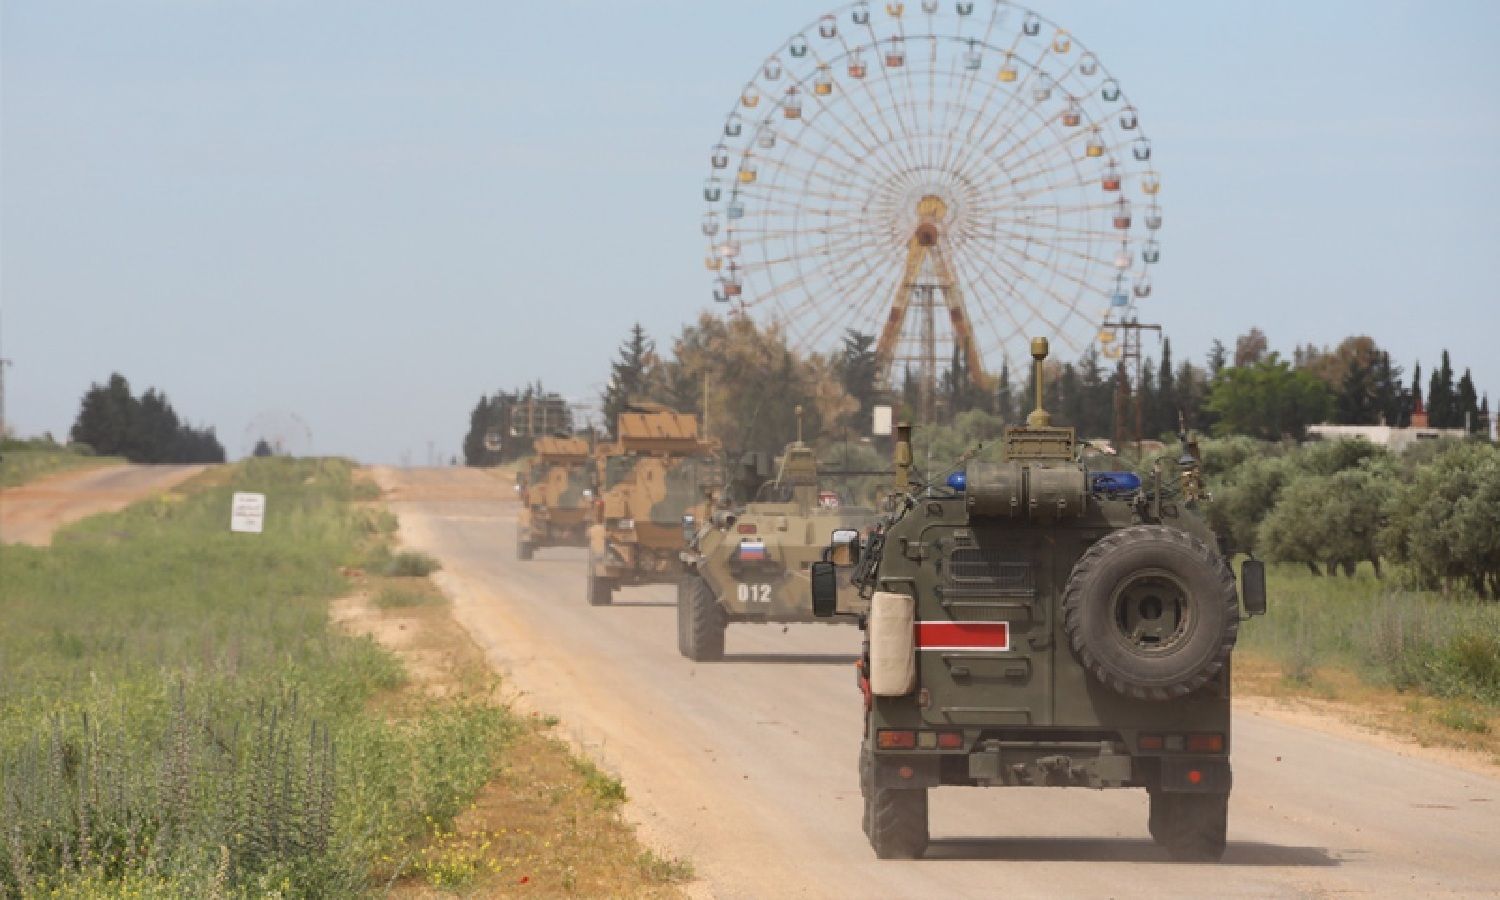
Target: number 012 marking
x,y
754,593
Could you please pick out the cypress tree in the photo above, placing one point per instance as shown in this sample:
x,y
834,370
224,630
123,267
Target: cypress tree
x,y
1442,403
628,376
1466,414
1005,398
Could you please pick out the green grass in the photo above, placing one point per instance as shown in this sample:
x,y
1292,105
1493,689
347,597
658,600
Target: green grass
x,y
27,460
178,719
1444,646
396,596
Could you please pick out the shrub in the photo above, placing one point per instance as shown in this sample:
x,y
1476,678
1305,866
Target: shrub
x,y
412,564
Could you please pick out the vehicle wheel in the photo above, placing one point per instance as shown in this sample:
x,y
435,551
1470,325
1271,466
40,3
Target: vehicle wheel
x,y
524,549
866,778
1193,827
1152,612
601,590
684,588
702,620
898,821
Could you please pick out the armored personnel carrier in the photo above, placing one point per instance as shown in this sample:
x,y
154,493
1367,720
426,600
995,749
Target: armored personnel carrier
x,y
752,565
555,496
654,485
1034,623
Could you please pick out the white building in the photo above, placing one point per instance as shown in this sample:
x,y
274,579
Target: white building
x,y
1394,439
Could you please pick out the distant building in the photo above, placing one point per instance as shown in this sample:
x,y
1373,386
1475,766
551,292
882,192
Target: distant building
x,y
1394,439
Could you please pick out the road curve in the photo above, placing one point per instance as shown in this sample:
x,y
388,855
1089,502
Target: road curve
x,y
30,513
747,767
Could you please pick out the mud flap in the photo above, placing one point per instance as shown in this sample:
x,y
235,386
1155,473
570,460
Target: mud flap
x,y
1196,776
901,772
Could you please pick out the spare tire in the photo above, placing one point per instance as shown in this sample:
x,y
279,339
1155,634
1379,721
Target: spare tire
x,y
1151,612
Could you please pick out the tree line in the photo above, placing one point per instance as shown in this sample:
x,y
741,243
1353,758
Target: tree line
x,y
751,381
1333,505
504,425
146,429
745,383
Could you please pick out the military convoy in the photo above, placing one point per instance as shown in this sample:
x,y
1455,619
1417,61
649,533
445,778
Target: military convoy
x,y
1033,623
1027,621
556,496
751,564
653,484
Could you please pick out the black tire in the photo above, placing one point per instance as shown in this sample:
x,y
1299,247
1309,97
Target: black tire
x,y
866,778
896,820
702,621
684,587
601,590
1113,592
1192,827
524,550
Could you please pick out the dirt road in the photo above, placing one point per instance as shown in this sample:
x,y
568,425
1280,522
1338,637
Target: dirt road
x,y
29,514
747,767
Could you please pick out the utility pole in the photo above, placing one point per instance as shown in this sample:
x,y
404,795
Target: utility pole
x,y
3,363
1130,349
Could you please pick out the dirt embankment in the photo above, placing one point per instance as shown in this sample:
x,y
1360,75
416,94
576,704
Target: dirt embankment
x,y
31,513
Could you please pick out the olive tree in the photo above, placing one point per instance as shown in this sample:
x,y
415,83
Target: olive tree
x,y
1443,524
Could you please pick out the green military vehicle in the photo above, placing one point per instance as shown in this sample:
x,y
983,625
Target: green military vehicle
x,y
654,484
1033,623
752,565
555,496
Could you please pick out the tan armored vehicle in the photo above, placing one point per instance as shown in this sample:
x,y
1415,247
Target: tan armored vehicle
x,y
752,565
654,483
556,496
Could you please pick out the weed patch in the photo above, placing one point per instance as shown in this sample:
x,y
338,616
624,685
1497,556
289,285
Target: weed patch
x,y
396,595
604,786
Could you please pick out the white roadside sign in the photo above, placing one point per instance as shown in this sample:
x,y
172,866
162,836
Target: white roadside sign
x,y
248,513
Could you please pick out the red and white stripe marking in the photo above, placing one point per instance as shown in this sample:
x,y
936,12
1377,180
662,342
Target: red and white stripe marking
x,y
960,636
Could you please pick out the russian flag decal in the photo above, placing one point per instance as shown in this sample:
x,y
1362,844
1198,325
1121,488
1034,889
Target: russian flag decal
x,y
963,635
752,549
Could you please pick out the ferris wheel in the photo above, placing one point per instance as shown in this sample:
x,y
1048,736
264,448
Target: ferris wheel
x,y
953,177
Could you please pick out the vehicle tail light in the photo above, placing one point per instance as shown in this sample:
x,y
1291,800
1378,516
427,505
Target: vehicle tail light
x,y
745,528
1150,742
1205,743
1174,742
887,739
927,740
950,740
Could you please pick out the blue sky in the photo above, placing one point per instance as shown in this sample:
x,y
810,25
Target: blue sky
x,y
371,213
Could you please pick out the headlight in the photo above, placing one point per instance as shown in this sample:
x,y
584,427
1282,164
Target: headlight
x,y
626,524
688,520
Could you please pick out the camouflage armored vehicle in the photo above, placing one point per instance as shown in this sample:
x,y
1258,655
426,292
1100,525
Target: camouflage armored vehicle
x,y
752,566
654,484
555,496
1033,623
